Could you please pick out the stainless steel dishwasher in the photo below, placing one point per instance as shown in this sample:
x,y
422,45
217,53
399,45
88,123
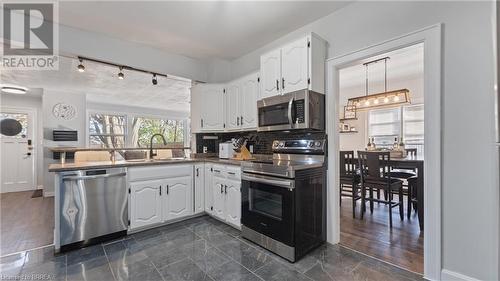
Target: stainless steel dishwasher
x,y
92,206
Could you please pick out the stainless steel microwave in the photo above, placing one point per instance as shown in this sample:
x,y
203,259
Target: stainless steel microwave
x,y
302,109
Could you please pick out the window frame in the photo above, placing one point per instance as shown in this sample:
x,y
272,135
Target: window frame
x,y
402,122
129,117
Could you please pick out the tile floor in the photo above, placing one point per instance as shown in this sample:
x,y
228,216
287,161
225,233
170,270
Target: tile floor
x,y
198,249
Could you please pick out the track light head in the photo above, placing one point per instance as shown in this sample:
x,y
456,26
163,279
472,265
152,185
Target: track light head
x,y
154,80
81,67
121,76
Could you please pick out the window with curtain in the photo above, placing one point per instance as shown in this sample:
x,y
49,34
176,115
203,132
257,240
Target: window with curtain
x,y
384,125
144,128
107,131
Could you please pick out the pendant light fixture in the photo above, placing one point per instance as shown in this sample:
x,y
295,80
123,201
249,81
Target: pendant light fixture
x,y
121,76
81,67
383,99
154,80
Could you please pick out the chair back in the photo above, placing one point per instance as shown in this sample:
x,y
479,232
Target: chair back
x,y
347,164
411,152
374,166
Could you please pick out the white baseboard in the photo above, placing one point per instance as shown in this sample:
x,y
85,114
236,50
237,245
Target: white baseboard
x,y
448,275
48,194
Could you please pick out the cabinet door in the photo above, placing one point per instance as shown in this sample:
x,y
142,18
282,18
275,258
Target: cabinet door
x,y
212,117
270,74
233,202
196,108
178,198
199,188
145,203
294,66
208,189
249,96
218,196
233,106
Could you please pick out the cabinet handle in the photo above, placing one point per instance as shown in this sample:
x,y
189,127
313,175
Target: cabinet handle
x,y
167,189
225,189
231,173
201,123
238,121
160,190
217,171
241,120
283,83
221,189
197,172
277,85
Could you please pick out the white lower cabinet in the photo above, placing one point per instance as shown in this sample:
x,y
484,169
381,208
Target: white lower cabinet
x,y
232,191
226,194
178,198
145,203
159,194
199,188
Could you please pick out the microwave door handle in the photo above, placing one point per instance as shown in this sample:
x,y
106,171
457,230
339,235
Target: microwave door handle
x,y
290,118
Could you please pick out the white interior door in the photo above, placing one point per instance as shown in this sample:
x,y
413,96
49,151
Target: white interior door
x,y
17,153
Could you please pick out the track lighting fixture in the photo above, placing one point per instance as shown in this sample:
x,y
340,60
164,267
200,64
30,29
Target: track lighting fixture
x,y
120,74
154,81
81,67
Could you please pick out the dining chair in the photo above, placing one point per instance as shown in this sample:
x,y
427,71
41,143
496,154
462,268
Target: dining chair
x,y
349,178
412,196
405,173
374,169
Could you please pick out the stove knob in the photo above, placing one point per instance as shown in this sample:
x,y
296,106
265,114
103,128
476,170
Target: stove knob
x,y
282,144
318,144
275,144
311,144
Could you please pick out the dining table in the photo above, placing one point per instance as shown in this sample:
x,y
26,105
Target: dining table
x,y
416,163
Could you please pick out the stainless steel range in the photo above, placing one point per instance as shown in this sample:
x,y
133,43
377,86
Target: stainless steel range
x,y
284,198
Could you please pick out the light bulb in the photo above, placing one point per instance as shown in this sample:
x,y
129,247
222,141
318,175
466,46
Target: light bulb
x,y
396,98
375,101
121,76
386,100
367,103
81,67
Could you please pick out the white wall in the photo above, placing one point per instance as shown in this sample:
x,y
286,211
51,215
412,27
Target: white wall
x,y
470,195
32,100
50,122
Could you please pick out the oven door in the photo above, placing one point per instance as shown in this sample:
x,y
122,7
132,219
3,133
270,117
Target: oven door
x,y
267,206
276,113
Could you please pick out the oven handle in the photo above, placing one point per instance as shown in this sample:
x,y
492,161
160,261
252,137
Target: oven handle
x,y
268,180
290,118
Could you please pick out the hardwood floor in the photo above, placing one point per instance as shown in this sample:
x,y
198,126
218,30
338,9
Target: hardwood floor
x,y
25,222
403,245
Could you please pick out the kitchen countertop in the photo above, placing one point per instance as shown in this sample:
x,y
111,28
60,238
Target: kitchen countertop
x,y
123,163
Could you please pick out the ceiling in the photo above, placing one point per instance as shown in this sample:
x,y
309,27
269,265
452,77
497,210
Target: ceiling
x,y
101,85
197,29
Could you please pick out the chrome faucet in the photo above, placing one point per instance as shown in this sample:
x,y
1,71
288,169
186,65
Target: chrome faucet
x,y
151,154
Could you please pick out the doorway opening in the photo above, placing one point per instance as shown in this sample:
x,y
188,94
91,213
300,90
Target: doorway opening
x,y
386,125
430,185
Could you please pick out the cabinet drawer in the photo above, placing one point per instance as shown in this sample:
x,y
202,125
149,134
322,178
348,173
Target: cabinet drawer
x,y
159,172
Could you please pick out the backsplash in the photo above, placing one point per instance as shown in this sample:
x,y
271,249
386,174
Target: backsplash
x,y
261,141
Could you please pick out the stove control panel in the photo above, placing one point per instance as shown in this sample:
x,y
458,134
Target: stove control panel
x,y
305,146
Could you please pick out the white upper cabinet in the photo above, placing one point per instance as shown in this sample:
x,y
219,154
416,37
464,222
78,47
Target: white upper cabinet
x,y
196,107
249,96
233,106
178,196
211,106
296,66
270,73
